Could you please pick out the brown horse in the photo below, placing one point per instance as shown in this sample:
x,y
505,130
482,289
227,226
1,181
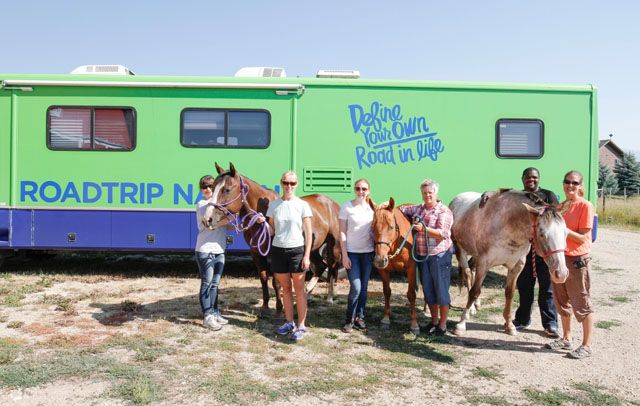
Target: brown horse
x,y
390,227
499,234
241,198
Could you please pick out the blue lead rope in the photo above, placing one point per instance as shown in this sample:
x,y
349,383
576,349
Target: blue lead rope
x,y
413,250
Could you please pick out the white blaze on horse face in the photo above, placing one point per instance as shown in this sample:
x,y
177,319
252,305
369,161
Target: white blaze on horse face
x,y
211,215
556,234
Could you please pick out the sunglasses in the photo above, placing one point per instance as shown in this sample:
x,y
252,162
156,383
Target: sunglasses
x,y
205,187
287,183
363,189
568,182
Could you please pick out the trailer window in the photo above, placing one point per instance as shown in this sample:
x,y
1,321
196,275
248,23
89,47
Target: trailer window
x,y
216,128
519,138
91,128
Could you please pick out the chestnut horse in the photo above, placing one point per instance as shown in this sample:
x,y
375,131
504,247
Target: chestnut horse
x,y
241,198
500,234
390,226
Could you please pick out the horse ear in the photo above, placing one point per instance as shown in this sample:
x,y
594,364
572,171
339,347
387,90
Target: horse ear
x,y
533,210
565,206
371,203
219,169
232,169
392,204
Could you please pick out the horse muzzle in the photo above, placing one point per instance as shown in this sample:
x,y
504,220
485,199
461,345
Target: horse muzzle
x,y
558,268
380,262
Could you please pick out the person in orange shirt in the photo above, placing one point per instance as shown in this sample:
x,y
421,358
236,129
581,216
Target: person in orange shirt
x,y
573,295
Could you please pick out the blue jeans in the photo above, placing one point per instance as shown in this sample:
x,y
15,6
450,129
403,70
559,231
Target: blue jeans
x,y
210,266
526,283
435,275
361,265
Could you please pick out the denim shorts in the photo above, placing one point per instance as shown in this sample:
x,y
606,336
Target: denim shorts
x,y
435,275
287,260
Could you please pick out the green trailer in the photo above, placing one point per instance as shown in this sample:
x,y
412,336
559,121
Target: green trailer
x,y
112,162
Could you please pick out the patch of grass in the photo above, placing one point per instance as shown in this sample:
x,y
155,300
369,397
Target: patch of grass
x,y
486,373
551,398
488,400
13,299
607,324
485,313
623,213
592,395
621,299
131,306
139,391
232,385
15,324
35,372
44,282
4,318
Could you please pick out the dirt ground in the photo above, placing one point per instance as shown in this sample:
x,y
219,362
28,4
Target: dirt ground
x,y
170,308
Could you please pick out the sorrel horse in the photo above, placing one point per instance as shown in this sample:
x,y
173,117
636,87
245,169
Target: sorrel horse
x,y
500,234
390,227
243,199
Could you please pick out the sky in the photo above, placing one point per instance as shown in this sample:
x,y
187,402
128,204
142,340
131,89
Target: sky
x,y
559,42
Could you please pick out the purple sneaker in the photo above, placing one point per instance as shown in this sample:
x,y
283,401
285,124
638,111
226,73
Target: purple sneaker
x,y
286,328
298,334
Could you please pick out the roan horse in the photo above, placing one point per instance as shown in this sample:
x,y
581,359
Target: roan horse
x,y
239,197
500,234
390,227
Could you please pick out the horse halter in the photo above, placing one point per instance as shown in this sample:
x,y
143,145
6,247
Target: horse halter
x,y
259,238
388,243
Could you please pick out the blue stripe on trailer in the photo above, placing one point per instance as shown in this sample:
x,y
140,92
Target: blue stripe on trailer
x,y
101,230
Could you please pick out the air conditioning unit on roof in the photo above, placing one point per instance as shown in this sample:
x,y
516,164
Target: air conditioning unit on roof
x,y
338,74
261,72
102,70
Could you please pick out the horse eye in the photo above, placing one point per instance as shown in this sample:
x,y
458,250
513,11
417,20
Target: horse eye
x,y
227,190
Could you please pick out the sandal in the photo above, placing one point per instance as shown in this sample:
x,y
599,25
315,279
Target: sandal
x,y
580,353
559,344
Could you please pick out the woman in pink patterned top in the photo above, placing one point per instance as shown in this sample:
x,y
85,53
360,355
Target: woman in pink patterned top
x,y
435,272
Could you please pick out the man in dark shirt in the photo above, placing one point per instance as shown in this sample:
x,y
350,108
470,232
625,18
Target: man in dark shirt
x,y
526,281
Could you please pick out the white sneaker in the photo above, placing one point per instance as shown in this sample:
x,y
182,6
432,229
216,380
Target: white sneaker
x,y
211,323
220,319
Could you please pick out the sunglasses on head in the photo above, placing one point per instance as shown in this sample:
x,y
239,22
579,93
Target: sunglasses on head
x,y
204,187
568,182
364,189
287,183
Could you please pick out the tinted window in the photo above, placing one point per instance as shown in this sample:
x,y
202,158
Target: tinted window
x,y
91,128
519,138
225,128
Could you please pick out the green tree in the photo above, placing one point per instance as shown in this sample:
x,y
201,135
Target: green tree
x,y
606,181
628,172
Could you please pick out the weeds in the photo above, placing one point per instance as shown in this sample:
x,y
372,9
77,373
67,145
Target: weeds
x,y
607,324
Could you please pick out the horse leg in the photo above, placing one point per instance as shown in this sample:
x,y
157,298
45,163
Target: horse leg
x,y
481,271
512,278
261,266
278,289
386,289
411,295
465,274
333,254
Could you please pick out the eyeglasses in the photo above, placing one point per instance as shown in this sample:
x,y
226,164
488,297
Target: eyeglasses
x,y
363,189
568,182
287,183
205,187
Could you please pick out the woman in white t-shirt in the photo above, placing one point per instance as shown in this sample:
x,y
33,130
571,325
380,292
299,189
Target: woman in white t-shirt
x,y
356,242
210,248
287,218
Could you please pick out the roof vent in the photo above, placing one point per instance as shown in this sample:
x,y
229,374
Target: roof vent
x,y
102,70
338,74
261,72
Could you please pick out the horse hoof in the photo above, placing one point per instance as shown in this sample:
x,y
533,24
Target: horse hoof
x,y
460,331
511,331
415,330
385,326
329,302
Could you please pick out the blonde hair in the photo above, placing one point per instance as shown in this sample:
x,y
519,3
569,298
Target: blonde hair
x,y
289,173
579,175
